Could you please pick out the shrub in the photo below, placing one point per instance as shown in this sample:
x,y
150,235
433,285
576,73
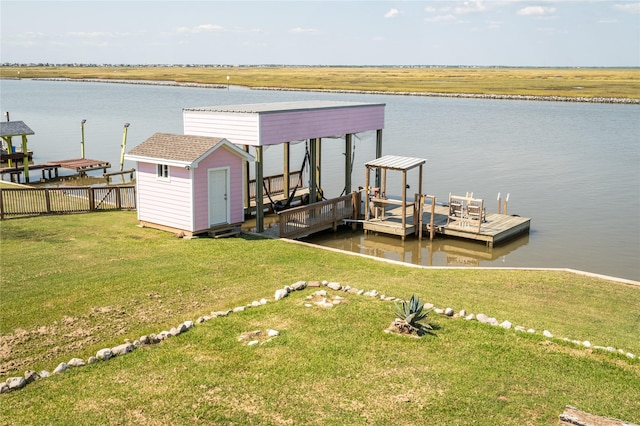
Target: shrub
x,y
412,312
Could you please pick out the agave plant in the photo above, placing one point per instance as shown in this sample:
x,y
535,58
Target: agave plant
x,y
412,312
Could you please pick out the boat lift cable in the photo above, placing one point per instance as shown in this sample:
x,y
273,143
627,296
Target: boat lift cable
x,y
279,205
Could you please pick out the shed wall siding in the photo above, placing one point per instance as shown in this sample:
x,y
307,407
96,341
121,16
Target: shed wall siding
x,y
240,129
164,202
221,158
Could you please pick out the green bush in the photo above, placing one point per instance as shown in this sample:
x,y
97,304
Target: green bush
x,y
412,312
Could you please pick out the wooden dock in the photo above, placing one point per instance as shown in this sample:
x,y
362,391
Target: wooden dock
x,y
15,173
16,156
495,229
50,169
83,165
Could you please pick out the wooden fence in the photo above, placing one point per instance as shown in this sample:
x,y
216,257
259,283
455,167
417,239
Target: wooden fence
x,y
39,201
305,220
275,184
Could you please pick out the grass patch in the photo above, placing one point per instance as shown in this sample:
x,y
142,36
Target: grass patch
x,y
73,284
563,82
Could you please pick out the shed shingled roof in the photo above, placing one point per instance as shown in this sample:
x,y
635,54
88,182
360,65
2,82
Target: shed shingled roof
x,y
168,146
14,128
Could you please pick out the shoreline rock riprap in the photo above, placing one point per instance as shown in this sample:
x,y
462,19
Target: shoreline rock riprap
x,y
598,100
320,298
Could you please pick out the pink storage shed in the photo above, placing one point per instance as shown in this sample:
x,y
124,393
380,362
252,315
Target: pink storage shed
x,y
189,184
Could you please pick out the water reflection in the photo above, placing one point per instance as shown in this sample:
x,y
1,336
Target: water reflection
x,y
439,252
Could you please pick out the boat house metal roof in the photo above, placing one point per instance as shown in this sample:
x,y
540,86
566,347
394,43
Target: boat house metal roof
x,y
273,107
394,162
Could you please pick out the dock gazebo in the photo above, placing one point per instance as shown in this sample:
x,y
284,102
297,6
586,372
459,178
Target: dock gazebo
x,y
262,125
9,130
376,218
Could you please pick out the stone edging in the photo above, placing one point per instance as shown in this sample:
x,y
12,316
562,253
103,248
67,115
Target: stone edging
x,y
16,383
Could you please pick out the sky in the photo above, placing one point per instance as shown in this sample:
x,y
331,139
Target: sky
x,y
567,33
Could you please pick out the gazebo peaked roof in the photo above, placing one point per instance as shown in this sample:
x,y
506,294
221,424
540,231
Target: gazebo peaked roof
x,y
181,150
14,128
394,162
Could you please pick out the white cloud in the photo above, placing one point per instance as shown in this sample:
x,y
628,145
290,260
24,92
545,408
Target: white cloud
x,y
392,13
628,7
470,7
536,11
205,28
442,18
300,30
92,34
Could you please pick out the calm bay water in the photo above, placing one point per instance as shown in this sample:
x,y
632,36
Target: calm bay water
x,y
574,168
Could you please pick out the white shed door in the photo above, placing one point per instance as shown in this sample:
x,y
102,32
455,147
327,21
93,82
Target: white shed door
x,y
218,197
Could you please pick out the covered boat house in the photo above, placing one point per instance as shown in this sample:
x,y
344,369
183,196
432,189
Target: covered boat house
x,y
261,125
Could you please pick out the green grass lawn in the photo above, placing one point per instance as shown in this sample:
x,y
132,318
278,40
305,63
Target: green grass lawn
x,y
73,284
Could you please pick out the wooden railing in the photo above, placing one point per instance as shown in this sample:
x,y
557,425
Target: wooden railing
x,y
305,220
274,184
39,201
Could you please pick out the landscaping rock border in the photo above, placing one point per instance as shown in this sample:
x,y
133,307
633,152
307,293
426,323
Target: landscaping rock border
x,y
321,298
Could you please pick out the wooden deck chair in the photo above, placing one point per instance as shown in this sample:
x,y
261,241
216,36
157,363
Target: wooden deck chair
x,y
476,211
456,209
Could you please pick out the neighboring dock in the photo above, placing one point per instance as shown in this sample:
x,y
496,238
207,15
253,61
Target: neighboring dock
x,y
83,165
50,170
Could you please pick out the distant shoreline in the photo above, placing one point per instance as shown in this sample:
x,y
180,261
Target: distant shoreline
x,y
599,100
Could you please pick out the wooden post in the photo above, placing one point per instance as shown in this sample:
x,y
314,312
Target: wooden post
x,y
404,201
348,143
245,180
25,159
9,142
382,187
355,205
47,197
420,181
123,146
378,153
433,213
118,198
367,196
82,138
313,183
506,203
91,195
318,167
285,167
259,193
